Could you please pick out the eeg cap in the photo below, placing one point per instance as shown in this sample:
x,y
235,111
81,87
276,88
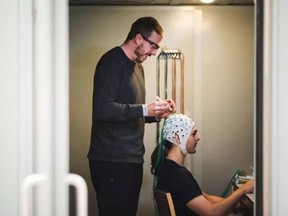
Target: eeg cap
x,y
178,124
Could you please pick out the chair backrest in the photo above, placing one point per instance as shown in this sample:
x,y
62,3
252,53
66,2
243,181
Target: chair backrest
x,y
164,203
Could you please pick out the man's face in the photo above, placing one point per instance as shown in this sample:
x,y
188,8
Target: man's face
x,y
147,47
192,141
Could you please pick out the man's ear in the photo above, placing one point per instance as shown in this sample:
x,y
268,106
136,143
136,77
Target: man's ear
x,y
138,38
177,138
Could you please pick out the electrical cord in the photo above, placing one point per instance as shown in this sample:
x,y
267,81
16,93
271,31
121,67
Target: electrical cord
x,y
159,160
232,182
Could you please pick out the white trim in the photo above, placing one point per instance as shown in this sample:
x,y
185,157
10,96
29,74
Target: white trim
x,y
25,90
267,155
61,106
44,103
279,107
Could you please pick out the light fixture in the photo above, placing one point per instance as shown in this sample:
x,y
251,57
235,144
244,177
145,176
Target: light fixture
x,y
207,1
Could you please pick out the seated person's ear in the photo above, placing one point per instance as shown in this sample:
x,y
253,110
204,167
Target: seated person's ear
x,y
177,138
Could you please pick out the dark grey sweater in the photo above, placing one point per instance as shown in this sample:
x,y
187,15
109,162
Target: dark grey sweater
x,y
118,122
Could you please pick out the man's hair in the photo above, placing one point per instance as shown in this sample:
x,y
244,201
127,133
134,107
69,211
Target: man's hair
x,y
144,26
160,152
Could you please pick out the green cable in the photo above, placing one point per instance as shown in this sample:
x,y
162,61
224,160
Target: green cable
x,y
159,160
160,154
231,183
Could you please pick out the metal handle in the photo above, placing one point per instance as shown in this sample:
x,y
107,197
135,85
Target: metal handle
x,y
28,182
81,193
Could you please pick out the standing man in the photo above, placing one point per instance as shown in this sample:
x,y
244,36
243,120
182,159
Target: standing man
x,y
119,114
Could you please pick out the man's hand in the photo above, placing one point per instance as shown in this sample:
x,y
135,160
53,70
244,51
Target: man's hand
x,y
248,187
161,108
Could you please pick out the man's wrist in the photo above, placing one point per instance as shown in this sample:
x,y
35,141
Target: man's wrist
x,y
145,110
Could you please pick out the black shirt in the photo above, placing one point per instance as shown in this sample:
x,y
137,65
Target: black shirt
x,y
118,122
180,183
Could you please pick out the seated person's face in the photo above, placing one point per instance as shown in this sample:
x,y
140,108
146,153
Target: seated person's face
x,y
192,141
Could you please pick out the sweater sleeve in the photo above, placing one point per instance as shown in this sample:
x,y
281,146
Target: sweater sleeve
x,y
114,97
151,119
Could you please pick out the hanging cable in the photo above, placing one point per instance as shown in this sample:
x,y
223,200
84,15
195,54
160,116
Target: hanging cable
x,y
232,182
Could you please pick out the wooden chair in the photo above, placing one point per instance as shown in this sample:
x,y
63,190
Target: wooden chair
x,y
164,203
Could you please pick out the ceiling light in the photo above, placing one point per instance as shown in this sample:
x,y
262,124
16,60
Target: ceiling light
x,y
207,1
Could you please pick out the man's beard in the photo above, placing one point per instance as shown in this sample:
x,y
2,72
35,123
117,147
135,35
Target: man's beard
x,y
140,54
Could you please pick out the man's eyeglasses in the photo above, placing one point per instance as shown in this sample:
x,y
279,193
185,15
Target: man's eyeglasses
x,y
153,44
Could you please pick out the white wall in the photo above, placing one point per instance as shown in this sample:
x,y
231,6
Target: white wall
x,y
220,99
227,94
9,111
15,102
275,108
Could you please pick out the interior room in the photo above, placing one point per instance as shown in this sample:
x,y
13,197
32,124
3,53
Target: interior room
x,y
218,43
46,95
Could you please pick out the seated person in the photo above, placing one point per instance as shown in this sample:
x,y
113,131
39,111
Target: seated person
x,y
179,138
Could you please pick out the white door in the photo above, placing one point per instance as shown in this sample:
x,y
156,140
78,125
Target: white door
x,y
34,113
